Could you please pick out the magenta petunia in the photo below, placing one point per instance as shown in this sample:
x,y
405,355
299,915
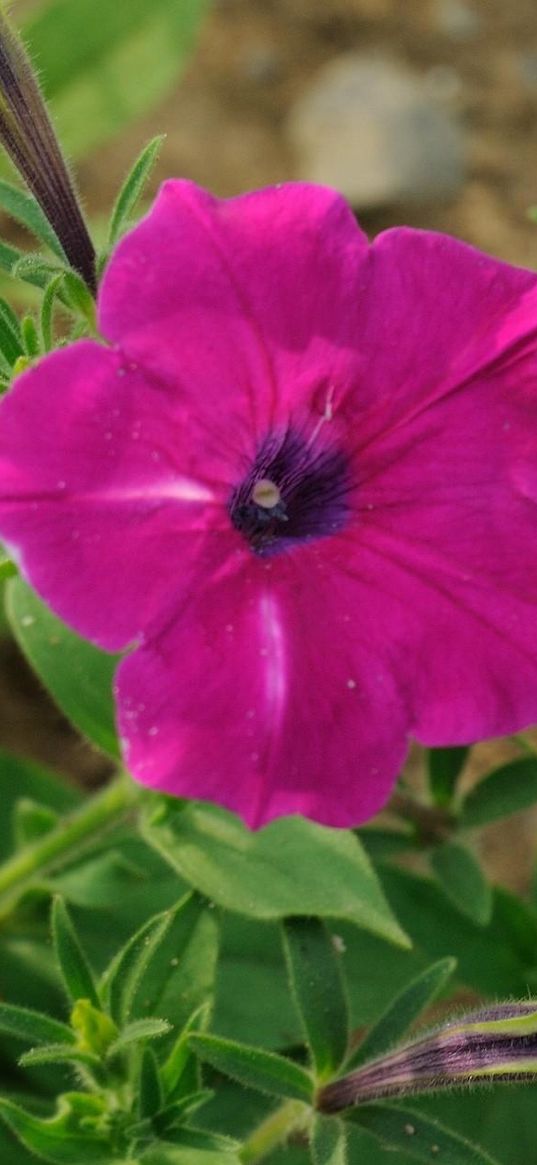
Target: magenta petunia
x,y
298,485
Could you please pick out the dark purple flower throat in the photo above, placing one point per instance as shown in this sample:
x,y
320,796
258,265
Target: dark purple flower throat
x,y
292,493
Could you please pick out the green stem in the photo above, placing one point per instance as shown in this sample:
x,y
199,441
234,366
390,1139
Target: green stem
x,y
273,1131
99,812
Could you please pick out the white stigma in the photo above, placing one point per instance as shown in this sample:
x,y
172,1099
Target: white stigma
x,y
266,494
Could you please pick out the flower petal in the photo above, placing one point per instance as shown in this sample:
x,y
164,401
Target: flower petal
x,y
446,517
266,697
252,302
431,314
464,651
97,499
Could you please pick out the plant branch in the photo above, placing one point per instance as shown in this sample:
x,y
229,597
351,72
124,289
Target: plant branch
x,y
101,811
290,1117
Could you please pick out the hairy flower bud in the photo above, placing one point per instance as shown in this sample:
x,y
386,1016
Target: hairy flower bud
x,y
26,133
498,1043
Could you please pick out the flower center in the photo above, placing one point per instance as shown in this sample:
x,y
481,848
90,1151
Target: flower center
x,y
292,493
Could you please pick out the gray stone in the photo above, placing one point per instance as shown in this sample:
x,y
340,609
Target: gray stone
x,y
371,128
457,19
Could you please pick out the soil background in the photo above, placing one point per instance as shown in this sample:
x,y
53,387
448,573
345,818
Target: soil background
x,y
227,128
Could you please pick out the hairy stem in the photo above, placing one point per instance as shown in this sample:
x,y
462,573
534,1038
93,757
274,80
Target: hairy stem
x,y
99,812
273,1131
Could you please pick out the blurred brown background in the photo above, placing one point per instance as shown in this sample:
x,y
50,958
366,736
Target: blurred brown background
x,y
422,111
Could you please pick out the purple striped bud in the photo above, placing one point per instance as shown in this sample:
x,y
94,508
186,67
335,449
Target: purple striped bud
x,y
26,133
496,1043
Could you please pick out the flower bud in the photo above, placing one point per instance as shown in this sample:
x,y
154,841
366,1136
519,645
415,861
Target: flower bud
x,y
26,133
497,1043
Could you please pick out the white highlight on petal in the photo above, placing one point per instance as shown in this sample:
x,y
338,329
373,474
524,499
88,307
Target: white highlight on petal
x,y
273,655
177,489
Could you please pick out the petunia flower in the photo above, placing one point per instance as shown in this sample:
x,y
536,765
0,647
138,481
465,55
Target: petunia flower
x,y
297,484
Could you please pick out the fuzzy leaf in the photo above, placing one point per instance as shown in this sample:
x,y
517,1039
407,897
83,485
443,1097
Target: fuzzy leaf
x,y
30,1025
292,866
149,1086
402,1012
319,992
10,334
127,967
175,1114
329,1142
254,1068
165,967
25,210
180,969
75,969
57,1054
180,1054
53,1139
52,291
137,1032
132,188
416,1135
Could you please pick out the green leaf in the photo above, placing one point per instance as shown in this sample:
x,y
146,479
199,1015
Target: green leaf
x,y
47,310
506,790
53,1139
79,297
380,844
149,1087
254,1068
496,960
78,675
132,188
75,969
25,210
176,1114
31,821
121,978
30,337
402,1012
57,1054
10,260
172,1070
293,866
463,881
167,968
33,267
10,334
180,970
421,1138
319,991
445,767
94,83
23,779
26,1024
329,1142
137,1032
222,1153
103,880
